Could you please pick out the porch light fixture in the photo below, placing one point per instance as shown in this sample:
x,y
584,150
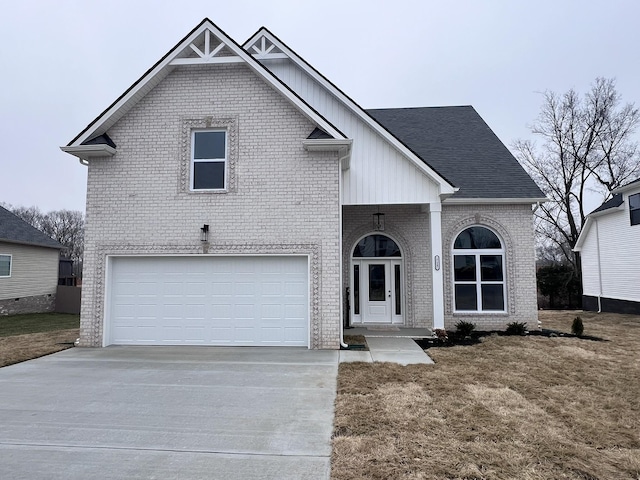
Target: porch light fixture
x,y
378,221
204,233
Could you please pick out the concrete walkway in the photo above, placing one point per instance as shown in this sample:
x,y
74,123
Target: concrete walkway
x,y
402,350
169,413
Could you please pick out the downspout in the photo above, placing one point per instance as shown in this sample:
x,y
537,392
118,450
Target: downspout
x,y
341,321
595,220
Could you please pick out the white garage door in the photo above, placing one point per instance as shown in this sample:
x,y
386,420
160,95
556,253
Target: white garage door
x,y
208,301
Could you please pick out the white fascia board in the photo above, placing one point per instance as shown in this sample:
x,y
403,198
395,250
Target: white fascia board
x,y
85,152
583,234
331,145
626,188
157,73
487,201
619,208
445,187
327,145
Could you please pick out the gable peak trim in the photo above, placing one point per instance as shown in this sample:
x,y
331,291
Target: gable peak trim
x,y
446,187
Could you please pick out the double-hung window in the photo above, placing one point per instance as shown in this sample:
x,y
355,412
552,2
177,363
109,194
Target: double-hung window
x,y
634,208
208,159
5,266
478,271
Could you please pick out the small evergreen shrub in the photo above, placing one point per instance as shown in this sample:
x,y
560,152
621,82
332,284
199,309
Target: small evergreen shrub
x,y
464,329
577,327
441,334
516,328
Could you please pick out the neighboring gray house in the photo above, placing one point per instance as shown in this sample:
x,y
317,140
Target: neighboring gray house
x,y
28,267
609,247
237,197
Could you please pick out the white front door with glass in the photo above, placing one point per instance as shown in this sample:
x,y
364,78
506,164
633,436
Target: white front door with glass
x,y
376,282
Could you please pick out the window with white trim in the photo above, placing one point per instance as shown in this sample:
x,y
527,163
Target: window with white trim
x,y
479,271
634,208
208,159
5,266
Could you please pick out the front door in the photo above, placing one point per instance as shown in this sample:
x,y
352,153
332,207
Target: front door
x,y
376,281
377,292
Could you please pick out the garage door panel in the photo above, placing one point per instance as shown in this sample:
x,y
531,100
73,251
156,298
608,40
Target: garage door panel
x,y
208,301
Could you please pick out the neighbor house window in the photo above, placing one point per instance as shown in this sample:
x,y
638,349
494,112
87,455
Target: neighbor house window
x,y
5,265
478,271
208,159
634,208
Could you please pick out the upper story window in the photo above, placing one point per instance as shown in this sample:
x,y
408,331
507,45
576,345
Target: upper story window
x,y
5,265
479,271
208,159
634,208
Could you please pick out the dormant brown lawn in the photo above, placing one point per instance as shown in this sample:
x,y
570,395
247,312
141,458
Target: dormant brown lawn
x,y
23,337
507,408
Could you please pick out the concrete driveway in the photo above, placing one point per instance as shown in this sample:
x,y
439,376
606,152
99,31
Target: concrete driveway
x,y
169,412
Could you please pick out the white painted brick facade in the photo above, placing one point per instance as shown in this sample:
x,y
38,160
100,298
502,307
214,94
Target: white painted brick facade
x,y
409,226
285,199
514,224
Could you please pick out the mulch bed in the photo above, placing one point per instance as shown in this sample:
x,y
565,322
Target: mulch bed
x,y
454,339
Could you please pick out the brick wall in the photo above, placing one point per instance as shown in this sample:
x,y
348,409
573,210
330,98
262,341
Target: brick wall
x,y
409,227
283,199
514,224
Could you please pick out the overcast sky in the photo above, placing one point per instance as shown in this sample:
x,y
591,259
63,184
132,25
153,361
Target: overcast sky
x,y
63,62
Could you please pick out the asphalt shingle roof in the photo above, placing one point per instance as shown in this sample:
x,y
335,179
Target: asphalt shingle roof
x,y
458,144
15,230
613,202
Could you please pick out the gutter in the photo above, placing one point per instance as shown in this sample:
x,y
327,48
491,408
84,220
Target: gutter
x,y
341,162
85,152
599,267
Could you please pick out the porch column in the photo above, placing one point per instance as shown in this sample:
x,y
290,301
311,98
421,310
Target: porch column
x,y
437,278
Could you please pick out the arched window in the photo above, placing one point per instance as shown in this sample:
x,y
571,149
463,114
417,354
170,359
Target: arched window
x,y
478,271
377,246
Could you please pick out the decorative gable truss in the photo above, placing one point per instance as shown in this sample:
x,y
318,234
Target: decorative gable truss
x,y
206,48
264,49
206,44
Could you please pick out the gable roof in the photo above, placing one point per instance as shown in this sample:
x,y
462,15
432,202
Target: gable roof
x,y
612,205
15,230
458,143
261,43
613,202
627,186
205,44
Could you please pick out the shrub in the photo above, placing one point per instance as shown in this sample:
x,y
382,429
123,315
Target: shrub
x,y
516,328
441,334
464,329
577,327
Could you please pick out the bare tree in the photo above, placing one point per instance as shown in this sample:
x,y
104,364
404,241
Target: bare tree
x,y
588,145
64,226
67,227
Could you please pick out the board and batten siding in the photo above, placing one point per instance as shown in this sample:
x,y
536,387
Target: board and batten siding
x,y
619,256
378,173
34,271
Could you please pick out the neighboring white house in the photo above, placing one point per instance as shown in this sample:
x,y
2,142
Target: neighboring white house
x,y
609,247
236,196
28,267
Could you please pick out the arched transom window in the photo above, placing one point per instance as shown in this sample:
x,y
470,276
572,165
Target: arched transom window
x,y
377,246
478,271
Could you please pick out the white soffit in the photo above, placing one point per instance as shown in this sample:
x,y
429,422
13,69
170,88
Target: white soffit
x,y
264,45
205,44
